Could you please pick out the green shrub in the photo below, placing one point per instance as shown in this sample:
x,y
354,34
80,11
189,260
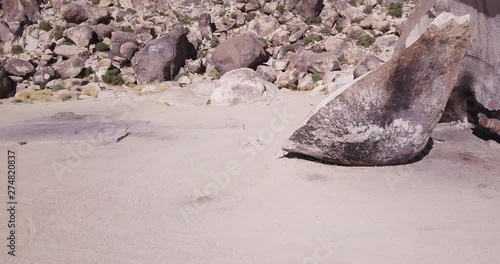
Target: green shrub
x,y
179,75
87,72
342,59
288,48
184,19
250,16
368,9
56,88
326,31
59,32
127,29
214,42
395,10
45,26
365,41
102,47
313,20
131,11
16,49
380,2
233,15
96,2
311,38
281,8
113,77
119,19
317,77
353,2
265,42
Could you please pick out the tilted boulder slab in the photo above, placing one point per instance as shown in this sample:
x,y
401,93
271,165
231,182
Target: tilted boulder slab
x,y
386,117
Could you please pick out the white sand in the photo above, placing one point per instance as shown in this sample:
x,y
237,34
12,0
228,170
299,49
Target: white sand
x,y
142,200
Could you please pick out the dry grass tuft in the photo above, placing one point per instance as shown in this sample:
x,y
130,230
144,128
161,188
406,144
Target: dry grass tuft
x,y
90,92
35,96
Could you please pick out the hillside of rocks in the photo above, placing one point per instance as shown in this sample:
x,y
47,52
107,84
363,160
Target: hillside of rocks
x,y
69,50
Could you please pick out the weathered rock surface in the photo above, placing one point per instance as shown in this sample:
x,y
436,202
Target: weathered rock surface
x,y
243,86
70,68
75,13
18,67
367,64
244,50
162,58
386,117
479,82
182,97
80,35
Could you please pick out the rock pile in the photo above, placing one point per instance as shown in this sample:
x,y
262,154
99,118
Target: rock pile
x,y
296,45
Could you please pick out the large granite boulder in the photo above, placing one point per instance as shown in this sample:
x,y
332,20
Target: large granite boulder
x,y
161,59
478,87
242,51
387,116
243,86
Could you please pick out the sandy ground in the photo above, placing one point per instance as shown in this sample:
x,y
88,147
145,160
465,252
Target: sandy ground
x,y
207,185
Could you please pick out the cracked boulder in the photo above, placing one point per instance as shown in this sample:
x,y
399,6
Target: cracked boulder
x,y
387,116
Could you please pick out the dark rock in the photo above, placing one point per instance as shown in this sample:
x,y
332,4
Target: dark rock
x,y
7,86
161,59
387,117
44,75
75,13
119,38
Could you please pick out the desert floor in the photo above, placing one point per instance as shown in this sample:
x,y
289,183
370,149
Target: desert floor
x,y
132,181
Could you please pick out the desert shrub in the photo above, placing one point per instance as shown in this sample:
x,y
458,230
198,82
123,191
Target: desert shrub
x,y
56,88
180,75
365,41
313,20
87,72
311,38
288,48
113,77
380,2
16,49
127,29
342,59
222,13
59,32
18,101
326,31
368,9
90,92
250,16
96,2
119,19
395,10
45,26
353,2
65,97
317,77
184,19
102,47
214,42
233,15
131,11
281,8
265,42
40,96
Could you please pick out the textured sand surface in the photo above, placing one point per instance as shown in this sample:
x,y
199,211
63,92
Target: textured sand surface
x,y
152,196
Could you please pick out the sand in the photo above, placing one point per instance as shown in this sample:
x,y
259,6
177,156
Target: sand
x,y
209,185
